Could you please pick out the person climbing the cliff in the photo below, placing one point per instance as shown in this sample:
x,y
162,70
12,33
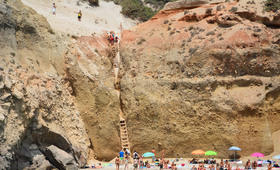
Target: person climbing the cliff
x,y
80,15
54,9
112,37
116,39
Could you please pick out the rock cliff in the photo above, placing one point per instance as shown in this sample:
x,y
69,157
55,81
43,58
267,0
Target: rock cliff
x,y
36,107
198,75
203,75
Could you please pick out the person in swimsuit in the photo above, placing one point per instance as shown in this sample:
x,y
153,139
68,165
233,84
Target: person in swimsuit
x,y
135,164
269,166
117,162
126,160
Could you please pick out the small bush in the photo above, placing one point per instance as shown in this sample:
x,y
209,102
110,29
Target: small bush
x,y
272,5
94,2
135,9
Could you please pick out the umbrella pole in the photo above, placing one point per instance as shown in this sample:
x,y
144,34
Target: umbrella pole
x,y
234,156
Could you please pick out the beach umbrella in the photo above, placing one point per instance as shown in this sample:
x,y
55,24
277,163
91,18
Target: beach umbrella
x,y
148,154
234,148
257,155
210,153
198,152
276,157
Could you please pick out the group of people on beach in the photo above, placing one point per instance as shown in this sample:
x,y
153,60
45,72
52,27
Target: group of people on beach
x,y
124,158
54,12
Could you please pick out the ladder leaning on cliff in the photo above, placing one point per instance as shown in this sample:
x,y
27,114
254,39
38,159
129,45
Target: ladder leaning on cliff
x,y
123,127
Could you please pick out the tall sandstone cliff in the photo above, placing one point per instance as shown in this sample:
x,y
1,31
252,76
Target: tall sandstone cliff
x,y
203,75
198,75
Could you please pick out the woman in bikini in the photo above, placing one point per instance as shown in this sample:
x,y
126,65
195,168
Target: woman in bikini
x,y
117,162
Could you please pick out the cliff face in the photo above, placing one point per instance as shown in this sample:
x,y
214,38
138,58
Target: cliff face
x,y
36,107
199,75
89,63
203,76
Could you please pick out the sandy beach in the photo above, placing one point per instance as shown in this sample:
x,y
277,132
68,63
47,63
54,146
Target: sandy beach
x,y
183,163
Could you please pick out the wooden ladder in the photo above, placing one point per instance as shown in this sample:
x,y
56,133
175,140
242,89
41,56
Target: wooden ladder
x,y
124,135
123,128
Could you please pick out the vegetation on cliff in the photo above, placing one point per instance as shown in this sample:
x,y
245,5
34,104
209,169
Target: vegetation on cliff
x,y
136,9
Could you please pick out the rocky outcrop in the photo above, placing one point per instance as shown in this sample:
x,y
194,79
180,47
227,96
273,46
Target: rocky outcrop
x,y
59,158
36,107
201,78
184,4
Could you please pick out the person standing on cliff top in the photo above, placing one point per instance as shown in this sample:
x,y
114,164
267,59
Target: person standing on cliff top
x,y
80,15
54,9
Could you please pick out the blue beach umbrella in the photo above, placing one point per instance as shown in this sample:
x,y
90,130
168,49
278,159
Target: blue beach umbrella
x,y
234,148
276,157
148,154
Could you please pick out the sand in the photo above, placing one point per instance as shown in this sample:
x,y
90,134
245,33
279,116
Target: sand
x,y
106,17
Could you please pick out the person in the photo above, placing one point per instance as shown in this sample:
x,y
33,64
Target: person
x,y
218,166
269,166
54,9
254,165
135,155
126,151
126,160
154,157
248,164
117,162
112,37
222,165
161,164
99,166
116,39
135,164
121,156
141,163
212,167
227,165
173,166
148,164
80,15
194,168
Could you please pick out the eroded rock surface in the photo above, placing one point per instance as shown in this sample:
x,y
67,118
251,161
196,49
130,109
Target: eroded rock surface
x,y
204,77
36,107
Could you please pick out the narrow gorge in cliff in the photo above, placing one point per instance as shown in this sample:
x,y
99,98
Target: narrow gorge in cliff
x,y
82,80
